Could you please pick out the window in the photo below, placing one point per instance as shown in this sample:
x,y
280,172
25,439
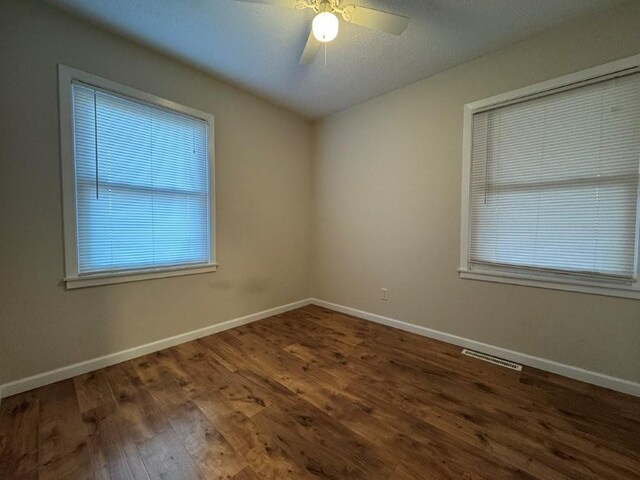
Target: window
x,y
138,180
551,183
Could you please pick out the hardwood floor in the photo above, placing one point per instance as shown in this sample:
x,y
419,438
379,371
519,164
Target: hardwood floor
x,y
314,394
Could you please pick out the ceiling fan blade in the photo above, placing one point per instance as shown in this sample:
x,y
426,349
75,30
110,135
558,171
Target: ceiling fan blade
x,y
310,49
277,3
370,18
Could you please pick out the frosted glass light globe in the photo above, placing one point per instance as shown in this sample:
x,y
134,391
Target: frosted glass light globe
x,y
325,26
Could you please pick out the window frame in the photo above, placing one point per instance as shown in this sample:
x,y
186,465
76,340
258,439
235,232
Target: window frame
x,y
72,279
522,275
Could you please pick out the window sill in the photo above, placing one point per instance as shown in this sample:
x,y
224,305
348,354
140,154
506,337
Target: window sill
x,y
551,283
135,276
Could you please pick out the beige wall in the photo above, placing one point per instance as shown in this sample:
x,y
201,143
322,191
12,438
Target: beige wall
x,y
263,193
387,177
385,193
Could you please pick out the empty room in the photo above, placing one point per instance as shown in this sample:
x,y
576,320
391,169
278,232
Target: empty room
x,y
319,239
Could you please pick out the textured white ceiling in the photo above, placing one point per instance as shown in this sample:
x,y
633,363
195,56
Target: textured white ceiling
x,y
257,47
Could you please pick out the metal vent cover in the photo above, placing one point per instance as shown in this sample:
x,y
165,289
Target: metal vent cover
x,y
495,360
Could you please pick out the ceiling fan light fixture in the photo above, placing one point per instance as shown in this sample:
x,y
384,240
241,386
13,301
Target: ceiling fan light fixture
x,y
325,26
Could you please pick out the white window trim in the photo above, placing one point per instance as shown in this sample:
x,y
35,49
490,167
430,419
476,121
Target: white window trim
x,y
72,279
523,277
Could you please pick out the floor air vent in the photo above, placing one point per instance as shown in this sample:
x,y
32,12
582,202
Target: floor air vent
x,y
490,359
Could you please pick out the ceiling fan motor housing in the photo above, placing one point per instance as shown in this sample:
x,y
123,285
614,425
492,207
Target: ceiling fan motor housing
x,y
325,6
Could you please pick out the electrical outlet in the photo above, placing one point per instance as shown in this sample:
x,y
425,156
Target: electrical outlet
x,y
385,295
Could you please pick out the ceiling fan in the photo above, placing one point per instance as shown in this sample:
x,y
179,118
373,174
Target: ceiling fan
x,y
325,24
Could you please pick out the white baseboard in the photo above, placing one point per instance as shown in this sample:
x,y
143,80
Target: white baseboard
x,y
606,381
52,376
39,380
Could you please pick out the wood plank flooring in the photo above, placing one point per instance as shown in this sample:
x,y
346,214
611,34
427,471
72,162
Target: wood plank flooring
x,y
315,394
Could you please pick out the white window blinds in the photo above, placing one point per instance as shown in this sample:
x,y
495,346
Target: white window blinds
x,y
554,182
142,188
